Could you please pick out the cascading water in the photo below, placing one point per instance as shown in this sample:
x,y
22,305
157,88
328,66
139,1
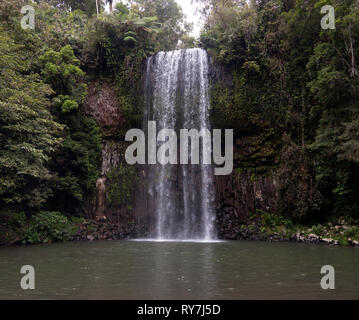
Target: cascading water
x,y
176,95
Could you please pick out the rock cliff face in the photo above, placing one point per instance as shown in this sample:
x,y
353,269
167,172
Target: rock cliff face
x,y
241,195
237,195
252,187
102,104
120,198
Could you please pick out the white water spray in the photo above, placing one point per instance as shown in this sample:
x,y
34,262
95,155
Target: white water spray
x,y
176,95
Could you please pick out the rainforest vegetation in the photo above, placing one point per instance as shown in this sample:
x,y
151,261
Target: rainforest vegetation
x,y
291,95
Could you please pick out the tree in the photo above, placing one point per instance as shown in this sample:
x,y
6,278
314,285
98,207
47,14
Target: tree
x,y
334,87
170,15
300,81
86,6
28,133
61,70
77,161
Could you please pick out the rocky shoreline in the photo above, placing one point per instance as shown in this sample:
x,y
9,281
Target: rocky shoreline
x,y
272,228
264,227
298,237
91,230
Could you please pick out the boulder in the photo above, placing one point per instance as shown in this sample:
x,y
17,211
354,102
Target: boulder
x,y
327,240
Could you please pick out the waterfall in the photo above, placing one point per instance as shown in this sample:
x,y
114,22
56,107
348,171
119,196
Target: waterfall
x,y
176,97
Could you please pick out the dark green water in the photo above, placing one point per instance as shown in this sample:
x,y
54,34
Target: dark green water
x,y
179,270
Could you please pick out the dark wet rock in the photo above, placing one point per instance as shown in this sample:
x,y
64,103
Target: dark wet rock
x,y
102,229
230,229
102,103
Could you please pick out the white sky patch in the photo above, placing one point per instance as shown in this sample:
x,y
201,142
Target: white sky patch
x,y
190,11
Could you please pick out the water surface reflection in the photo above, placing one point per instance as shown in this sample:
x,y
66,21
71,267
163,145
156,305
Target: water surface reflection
x,y
179,270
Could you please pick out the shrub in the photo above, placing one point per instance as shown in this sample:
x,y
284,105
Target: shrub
x,y
274,220
48,227
11,226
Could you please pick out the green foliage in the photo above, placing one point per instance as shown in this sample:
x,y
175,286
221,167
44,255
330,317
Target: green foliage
x,y
298,195
46,227
188,42
61,70
57,27
229,31
76,163
49,149
274,220
271,227
130,40
112,39
86,6
121,9
291,76
334,86
121,182
145,28
11,226
69,105
170,16
292,99
28,133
